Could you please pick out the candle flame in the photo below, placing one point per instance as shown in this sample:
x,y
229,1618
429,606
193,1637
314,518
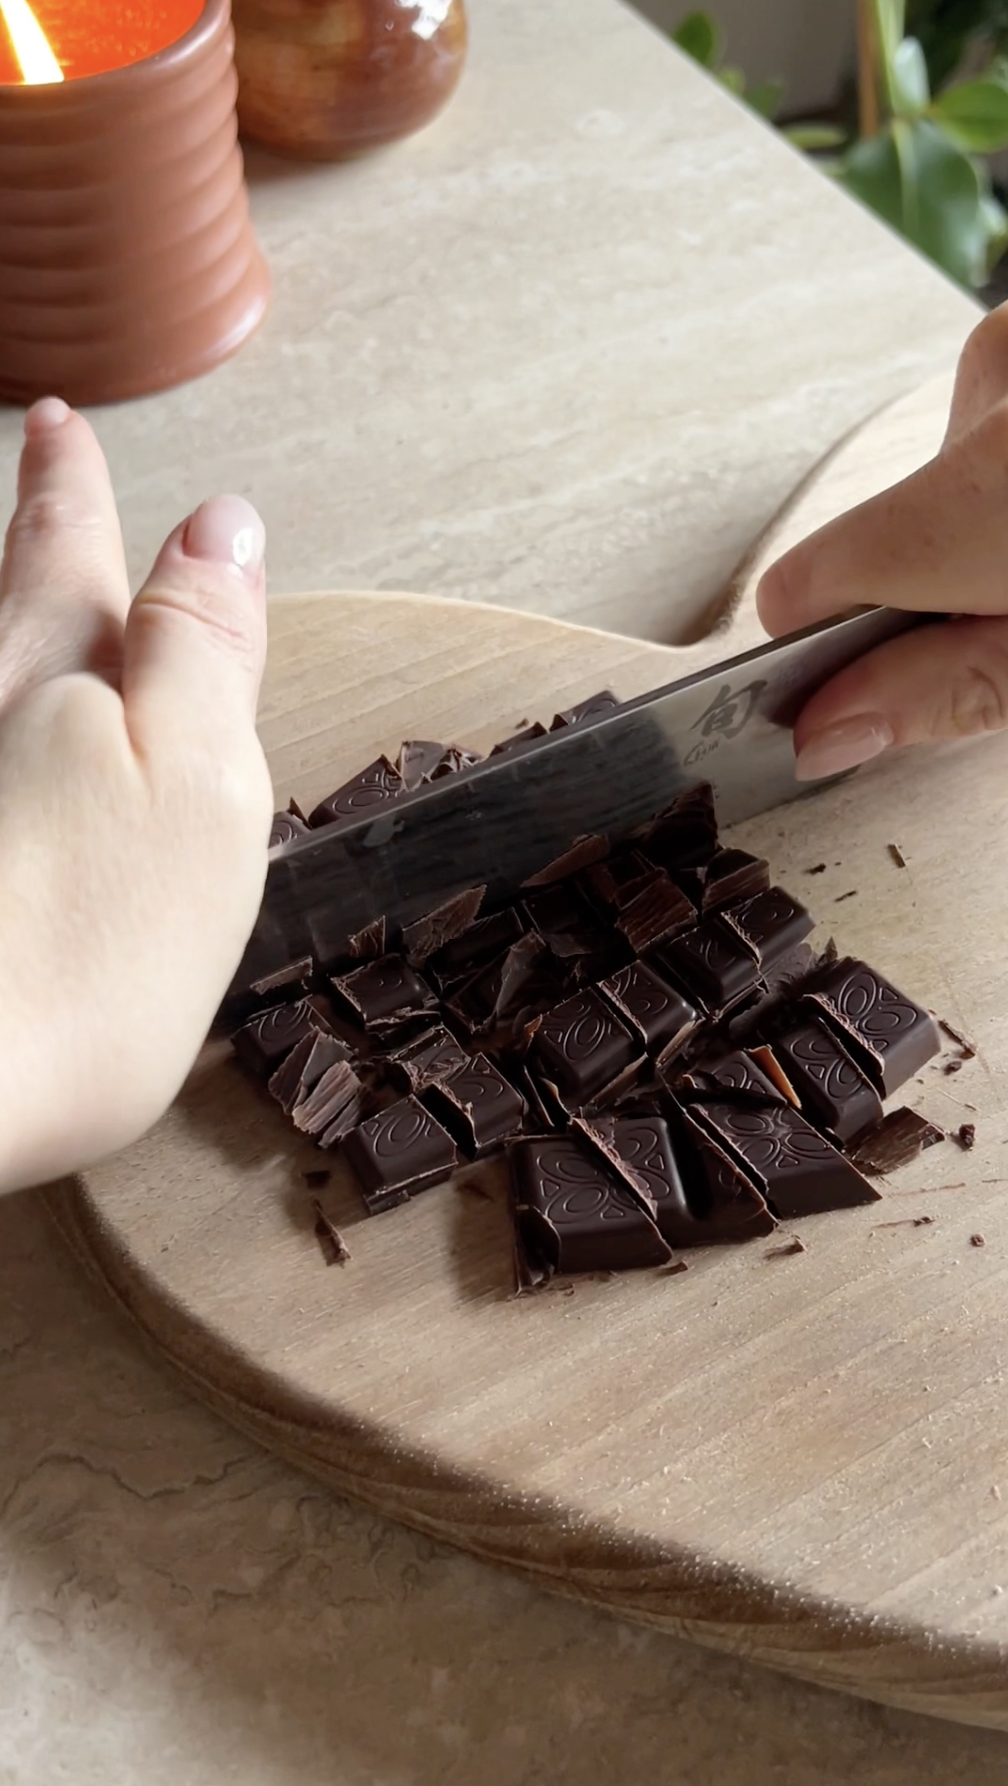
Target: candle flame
x,y
31,46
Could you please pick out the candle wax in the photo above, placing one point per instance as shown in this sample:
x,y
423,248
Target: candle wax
x,y
94,36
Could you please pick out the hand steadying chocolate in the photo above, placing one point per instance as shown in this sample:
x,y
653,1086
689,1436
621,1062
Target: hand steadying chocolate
x,y
135,802
937,543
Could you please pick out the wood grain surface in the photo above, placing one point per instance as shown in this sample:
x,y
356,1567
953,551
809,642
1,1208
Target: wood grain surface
x,y
803,1459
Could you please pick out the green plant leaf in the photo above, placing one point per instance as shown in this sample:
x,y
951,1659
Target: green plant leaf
x,y
815,136
911,90
888,17
699,36
765,97
733,79
929,189
975,115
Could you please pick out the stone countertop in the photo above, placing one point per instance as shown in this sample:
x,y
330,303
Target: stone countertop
x,y
568,350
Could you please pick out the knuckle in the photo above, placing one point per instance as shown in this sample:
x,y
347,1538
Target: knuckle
x,y
979,703
224,617
45,514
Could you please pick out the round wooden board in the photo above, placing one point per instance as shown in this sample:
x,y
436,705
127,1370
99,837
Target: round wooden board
x,y
799,1458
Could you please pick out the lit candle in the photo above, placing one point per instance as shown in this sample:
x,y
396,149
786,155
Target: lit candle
x,y
54,40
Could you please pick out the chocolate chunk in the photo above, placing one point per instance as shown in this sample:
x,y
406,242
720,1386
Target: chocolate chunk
x,y
831,1088
597,1136
376,784
593,708
328,1098
264,1042
417,760
685,833
426,1059
290,982
384,994
398,1152
893,1037
476,948
370,943
738,1073
732,875
712,964
527,735
773,924
303,1068
440,926
574,1215
581,854
659,1014
898,1139
285,829
723,1207
619,878
334,1248
966,1135
581,1046
797,1170
507,986
897,855
454,761
563,920
477,1106
659,912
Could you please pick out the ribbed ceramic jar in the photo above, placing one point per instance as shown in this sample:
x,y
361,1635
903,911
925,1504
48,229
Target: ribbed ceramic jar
x,y
127,258
328,79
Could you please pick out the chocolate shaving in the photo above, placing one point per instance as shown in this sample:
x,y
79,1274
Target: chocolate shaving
x,y
600,1143
581,854
369,944
334,1248
842,896
794,1245
899,1138
291,981
817,868
961,1041
965,1135
909,1221
896,854
442,925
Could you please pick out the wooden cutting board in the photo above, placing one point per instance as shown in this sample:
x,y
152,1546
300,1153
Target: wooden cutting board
x,y
801,1458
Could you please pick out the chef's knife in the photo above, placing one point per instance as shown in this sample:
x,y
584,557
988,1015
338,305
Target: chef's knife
x,y
510,816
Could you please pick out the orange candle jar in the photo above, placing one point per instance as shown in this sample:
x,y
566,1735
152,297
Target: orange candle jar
x,y
127,258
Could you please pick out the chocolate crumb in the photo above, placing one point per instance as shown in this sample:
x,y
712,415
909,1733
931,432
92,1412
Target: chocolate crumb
x,y
896,854
674,1270
899,1138
315,1179
965,1134
842,896
963,1041
334,1248
818,868
909,1221
953,1066
977,1240
794,1245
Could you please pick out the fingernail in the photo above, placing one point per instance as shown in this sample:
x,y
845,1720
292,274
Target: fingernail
x,y
227,530
843,746
46,416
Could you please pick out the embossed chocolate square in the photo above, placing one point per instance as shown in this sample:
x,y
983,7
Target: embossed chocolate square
x,y
574,1215
383,994
374,786
659,1013
832,1089
581,1046
478,1106
773,923
398,1152
269,1037
712,964
426,1059
892,1036
797,1170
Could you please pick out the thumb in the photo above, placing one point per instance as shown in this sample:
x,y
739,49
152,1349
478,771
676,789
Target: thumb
x,y
195,639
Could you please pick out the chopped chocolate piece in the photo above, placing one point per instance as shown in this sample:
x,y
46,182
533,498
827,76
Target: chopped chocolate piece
x,y
593,708
508,985
618,878
768,1063
659,912
896,1036
544,1110
398,1152
953,1066
618,1090
581,1046
794,1245
798,1171
369,944
581,854
426,1059
658,1013
357,1107
899,1138
731,875
722,1208
264,1042
574,1216
563,920
384,994
417,760
454,762
376,784
329,1096
304,1067
477,1106
685,833
773,924
290,982
852,894
977,1240
285,829
968,1047
737,1073
527,735
896,854
966,1135
334,1248
476,948
599,1138
712,964
832,1089
817,868
295,811
443,925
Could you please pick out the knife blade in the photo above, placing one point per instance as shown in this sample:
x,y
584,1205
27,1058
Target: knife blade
x,y
506,819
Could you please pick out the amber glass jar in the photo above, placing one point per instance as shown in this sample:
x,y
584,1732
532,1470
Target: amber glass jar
x,y
328,79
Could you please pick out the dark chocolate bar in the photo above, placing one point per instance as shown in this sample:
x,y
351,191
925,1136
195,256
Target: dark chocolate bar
x,y
657,1011
574,1215
832,1090
580,1046
796,1169
893,1037
376,784
398,1152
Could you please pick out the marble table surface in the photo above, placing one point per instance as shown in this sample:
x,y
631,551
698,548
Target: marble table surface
x,y
567,350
